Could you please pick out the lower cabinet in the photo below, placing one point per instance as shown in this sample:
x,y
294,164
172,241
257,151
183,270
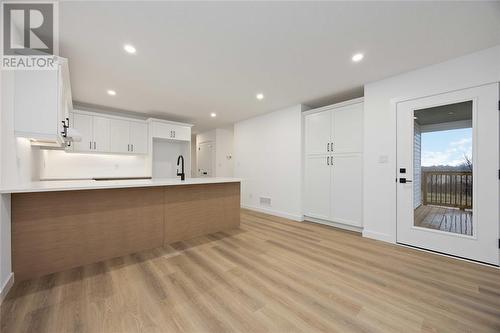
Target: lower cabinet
x,y
333,188
346,189
317,186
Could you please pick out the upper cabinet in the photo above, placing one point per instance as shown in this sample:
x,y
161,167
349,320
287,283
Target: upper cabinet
x,y
94,131
347,129
110,134
318,132
170,130
128,136
42,101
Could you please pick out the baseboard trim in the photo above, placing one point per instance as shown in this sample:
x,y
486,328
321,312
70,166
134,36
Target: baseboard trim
x,y
6,287
334,224
269,211
379,236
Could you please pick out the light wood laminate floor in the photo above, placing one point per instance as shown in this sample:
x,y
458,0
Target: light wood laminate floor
x,y
270,275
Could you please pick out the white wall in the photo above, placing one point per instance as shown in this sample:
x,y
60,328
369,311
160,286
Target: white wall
x,y
57,164
380,127
165,154
268,157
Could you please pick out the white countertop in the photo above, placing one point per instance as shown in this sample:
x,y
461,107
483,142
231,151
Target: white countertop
x,y
73,185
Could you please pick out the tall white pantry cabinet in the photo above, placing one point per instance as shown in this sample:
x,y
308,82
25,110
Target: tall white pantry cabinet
x,y
333,153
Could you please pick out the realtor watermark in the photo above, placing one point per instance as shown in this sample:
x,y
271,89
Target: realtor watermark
x,y
29,35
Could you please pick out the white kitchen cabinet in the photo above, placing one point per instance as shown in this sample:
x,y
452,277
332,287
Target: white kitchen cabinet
x,y
333,163
42,101
347,129
94,131
110,134
318,133
346,189
100,130
127,136
138,137
317,186
83,124
170,130
119,136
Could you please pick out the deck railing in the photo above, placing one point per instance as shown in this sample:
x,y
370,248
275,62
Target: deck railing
x,y
447,188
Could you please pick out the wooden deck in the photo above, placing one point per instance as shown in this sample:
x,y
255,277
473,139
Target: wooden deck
x,y
445,219
269,275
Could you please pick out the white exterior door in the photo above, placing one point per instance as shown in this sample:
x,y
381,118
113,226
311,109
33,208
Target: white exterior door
x,y
317,186
481,243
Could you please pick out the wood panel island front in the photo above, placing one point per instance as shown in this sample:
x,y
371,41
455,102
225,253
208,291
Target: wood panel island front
x,y
60,226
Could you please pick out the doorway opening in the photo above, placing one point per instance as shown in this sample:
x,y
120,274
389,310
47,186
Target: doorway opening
x,y
443,168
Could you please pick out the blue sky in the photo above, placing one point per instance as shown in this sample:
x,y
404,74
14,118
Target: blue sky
x,y
446,147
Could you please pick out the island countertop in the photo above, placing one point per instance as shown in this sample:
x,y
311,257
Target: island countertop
x,y
74,185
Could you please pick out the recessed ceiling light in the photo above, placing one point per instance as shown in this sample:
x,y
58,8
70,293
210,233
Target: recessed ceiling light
x,y
260,96
357,57
111,92
213,115
129,48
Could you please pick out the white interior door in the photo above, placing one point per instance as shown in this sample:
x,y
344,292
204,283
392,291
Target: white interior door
x,y
205,158
438,222
317,181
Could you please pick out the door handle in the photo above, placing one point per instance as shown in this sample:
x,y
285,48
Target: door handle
x,y
132,147
90,144
404,181
328,160
328,146
94,145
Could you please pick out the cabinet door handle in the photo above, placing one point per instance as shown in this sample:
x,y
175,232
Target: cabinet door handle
x,y
128,147
174,134
328,146
94,146
328,160
132,147
90,145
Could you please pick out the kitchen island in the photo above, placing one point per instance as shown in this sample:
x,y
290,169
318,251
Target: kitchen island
x,y
58,225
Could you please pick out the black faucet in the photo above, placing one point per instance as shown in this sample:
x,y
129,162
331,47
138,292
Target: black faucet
x,y
181,159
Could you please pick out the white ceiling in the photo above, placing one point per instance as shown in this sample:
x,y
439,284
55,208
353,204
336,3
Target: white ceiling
x,y
194,58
